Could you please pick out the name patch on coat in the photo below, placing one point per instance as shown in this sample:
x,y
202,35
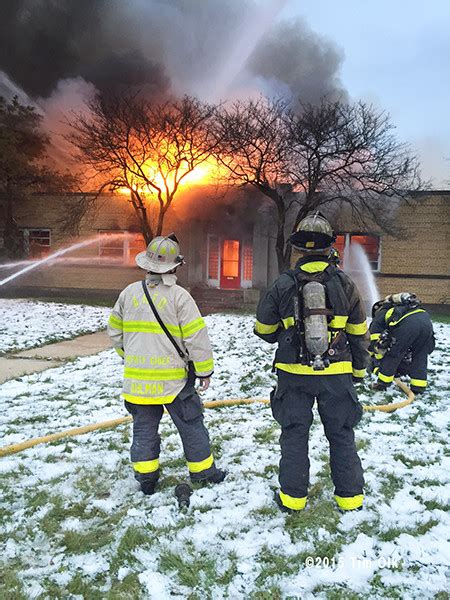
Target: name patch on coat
x,y
147,389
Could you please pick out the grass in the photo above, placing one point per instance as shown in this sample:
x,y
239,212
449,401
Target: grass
x,y
392,534
76,542
10,585
268,435
137,527
322,511
390,485
128,589
337,592
190,571
134,537
274,564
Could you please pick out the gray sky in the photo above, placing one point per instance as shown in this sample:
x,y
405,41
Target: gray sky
x,y
397,55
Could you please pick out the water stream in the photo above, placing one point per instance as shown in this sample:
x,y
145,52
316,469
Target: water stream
x,y
357,265
35,264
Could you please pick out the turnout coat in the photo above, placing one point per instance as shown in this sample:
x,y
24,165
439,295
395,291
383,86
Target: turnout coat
x,y
154,373
347,326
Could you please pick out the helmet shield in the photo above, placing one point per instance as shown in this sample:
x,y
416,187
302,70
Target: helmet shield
x,y
313,233
162,255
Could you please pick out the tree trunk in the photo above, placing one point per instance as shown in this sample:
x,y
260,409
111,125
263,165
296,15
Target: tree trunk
x,y
141,212
12,237
281,222
280,241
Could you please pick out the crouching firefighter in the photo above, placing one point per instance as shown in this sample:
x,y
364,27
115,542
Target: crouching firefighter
x,y
157,328
316,316
401,338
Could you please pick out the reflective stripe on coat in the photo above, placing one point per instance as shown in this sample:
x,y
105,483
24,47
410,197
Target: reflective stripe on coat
x,y
154,373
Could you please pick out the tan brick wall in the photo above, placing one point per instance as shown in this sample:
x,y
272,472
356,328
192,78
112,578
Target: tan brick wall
x,y
424,250
430,291
74,276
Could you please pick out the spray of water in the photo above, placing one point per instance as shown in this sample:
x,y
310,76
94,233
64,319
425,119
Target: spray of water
x,y
55,255
251,32
357,265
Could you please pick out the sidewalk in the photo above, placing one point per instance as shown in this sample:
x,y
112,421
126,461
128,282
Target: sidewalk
x,y
45,357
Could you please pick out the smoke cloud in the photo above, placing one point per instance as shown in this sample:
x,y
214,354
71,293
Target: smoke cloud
x,y
213,49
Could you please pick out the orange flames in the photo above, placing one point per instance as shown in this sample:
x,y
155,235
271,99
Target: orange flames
x,y
206,173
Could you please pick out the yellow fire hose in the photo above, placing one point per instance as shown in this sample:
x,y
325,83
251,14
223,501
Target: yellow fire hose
x,y
15,448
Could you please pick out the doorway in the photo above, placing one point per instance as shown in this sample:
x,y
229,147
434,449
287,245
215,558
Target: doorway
x,y
230,265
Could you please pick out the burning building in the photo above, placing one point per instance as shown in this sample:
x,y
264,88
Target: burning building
x,y
228,238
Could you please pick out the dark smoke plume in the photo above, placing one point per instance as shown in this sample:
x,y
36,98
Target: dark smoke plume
x,y
44,41
210,48
296,61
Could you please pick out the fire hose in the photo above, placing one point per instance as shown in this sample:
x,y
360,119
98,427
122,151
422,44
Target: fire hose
x,y
15,448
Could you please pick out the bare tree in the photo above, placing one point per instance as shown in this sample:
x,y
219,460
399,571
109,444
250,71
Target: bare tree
x,y
149,149
348,153
252,145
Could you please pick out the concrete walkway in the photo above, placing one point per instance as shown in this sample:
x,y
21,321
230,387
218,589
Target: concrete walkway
x,y
36,360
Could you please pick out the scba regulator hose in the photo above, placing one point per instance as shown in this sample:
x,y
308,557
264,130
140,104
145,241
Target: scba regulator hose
x,y
15,448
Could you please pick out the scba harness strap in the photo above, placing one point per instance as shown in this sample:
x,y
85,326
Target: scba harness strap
x,y
337,304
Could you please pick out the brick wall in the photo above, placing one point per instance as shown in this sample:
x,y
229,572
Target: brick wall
x,y
423,252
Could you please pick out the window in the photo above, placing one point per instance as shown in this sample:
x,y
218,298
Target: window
x,y
247,260
371,246
37,242
136,244
111,246
120,247
213,259
369,243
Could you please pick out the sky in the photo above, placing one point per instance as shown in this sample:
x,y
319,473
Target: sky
x,y
396,55
392,53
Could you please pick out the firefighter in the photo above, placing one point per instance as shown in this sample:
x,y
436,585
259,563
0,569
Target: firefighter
x,y
307,372
401,338
155,372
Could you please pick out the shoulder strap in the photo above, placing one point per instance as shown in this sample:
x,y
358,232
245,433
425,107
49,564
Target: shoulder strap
x,y
163,327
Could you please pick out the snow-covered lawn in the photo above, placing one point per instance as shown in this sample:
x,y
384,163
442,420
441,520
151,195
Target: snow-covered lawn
x,y
26,324
73,523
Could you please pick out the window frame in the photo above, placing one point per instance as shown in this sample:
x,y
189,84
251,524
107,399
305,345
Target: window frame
x,y
347,241
213,282
124,260
26,231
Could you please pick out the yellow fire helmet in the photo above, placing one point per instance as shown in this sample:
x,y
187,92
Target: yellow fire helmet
x,y
313,233
162,255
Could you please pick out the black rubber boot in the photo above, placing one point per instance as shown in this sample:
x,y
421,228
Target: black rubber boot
x,y
281,506
148,487
343,512
217,477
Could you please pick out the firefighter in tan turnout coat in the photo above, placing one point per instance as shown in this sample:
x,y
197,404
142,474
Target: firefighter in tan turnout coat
x,y
155,375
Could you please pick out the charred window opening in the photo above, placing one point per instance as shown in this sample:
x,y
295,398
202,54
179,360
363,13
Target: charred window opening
x,y
37,242
369,242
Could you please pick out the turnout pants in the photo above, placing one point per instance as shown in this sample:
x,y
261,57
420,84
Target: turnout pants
x,y
414,333
186,412
292,402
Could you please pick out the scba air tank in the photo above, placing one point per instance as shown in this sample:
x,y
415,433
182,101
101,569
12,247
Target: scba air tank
x,y
315,322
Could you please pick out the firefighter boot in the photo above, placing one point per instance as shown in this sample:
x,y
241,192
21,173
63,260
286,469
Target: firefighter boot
x,y
148,487
216,477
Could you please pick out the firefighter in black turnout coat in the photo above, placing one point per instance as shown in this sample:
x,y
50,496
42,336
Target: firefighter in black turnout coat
x,y
315,314
401,338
